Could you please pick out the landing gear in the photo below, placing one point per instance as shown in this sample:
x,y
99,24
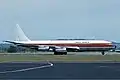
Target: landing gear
x,y
103,53
60,53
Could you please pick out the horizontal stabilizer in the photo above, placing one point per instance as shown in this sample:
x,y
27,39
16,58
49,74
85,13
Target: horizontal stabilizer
x,y
11,42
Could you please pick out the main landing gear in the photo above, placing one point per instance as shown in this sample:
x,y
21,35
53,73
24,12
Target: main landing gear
x,y
60,53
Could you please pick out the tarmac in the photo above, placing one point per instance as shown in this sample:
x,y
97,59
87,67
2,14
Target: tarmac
x,y
59,70
69,53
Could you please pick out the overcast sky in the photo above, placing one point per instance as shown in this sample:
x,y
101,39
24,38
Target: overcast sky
x,y
51,19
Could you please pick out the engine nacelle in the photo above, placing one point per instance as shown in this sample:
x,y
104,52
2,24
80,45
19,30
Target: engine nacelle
x,y
77,48
61,50
69,49
43,48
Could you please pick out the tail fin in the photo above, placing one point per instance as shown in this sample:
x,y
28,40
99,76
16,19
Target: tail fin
x,y
20,35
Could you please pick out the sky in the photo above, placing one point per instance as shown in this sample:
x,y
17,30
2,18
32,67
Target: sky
x,y
53,19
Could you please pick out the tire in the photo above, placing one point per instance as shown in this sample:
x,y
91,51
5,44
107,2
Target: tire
x,y
60,53
65,53
103,53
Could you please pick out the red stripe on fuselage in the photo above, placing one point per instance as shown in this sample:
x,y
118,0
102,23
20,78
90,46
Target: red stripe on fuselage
x,y
78,45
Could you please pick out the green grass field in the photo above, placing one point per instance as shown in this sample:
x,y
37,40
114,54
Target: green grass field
x,y
73,58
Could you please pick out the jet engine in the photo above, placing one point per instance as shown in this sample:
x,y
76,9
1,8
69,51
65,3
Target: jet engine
x,y
69,49
60,51
43,48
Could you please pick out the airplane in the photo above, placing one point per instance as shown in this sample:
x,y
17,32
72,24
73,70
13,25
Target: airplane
x,y
62,46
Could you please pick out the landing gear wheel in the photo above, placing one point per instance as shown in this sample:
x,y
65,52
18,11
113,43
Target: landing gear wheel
x,y
103,53
64,53
60,53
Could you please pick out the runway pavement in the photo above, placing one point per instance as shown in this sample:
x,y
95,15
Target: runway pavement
x,y
69,53
59,70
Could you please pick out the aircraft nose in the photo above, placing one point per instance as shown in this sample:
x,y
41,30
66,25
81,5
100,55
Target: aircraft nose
x,y
114,44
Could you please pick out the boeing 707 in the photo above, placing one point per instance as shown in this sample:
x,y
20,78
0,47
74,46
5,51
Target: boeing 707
x,y
61,47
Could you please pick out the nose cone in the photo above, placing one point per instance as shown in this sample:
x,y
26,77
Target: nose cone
x,y
114,44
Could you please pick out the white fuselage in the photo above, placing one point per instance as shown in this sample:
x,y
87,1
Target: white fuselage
x,y
70,43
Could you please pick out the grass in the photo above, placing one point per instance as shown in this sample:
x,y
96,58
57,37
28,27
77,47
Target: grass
x,y
74,58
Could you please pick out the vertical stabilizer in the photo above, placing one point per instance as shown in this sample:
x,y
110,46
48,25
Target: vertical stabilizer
x,y
20,35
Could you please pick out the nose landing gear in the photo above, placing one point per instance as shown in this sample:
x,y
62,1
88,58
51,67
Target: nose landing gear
x,y
103,53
